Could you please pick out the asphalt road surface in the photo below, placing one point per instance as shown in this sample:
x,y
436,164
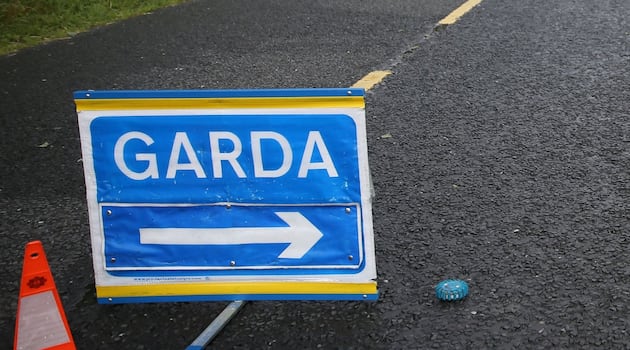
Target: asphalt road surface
x,y
499,149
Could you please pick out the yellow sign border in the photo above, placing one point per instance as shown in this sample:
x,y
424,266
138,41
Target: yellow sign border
x,y
219,103
238,288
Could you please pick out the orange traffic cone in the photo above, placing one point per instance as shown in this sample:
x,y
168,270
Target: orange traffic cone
x,y
40,322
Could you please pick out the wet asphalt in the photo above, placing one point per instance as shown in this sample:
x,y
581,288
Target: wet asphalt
x,y
499,150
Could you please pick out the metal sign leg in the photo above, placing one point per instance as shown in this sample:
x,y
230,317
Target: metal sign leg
x,y
216,326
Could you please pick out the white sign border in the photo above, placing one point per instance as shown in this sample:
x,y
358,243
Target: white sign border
x,y
103,278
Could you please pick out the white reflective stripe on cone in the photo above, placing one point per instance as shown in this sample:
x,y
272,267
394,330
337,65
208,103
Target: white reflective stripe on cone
x,y
39,323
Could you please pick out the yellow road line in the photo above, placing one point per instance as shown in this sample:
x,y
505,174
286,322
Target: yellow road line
x,y
370,80
458,12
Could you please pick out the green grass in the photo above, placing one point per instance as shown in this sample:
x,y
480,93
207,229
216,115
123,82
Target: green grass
x,y
25,23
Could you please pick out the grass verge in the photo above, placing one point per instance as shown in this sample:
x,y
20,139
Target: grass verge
x,y
25,23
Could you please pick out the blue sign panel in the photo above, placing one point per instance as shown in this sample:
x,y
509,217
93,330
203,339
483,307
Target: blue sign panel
x,y
234,238
218,158
258,160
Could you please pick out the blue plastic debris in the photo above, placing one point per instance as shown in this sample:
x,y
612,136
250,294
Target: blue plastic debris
x,y
451,290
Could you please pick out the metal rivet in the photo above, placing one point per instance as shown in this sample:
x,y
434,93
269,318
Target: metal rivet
x,y
364,296
112,259
228,206
350,257
348,210
87,95
108,212
110,299
232,263
349,92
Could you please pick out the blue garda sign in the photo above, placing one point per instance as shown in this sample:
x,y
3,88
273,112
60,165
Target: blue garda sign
x,y
219,188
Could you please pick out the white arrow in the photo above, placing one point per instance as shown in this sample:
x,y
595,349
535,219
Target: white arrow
x,y
301,235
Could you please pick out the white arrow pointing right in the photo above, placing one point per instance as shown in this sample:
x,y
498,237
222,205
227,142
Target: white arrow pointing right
x,y
301,235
